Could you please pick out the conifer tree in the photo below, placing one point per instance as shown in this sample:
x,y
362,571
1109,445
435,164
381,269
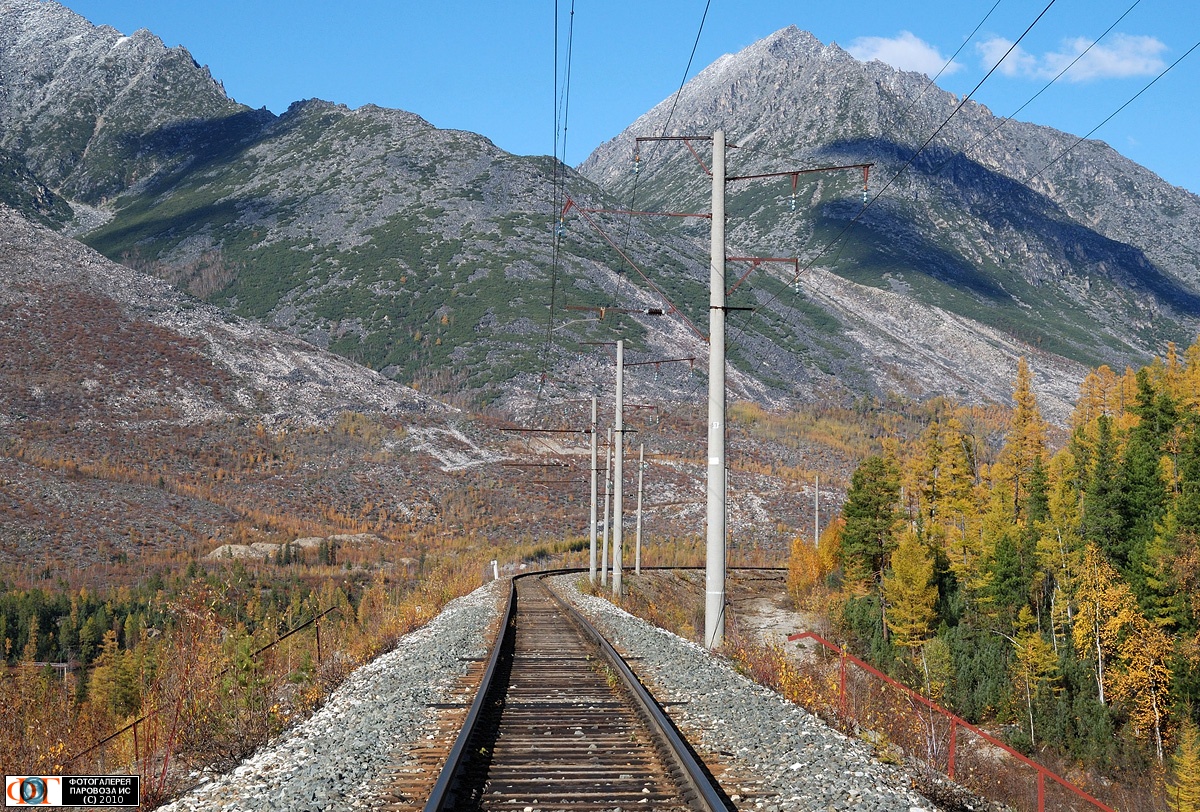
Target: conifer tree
x,y
114,683
1183,785
1060,545
1140,480
955,509
922,479
804,568
1163,599
1102,514
871,516
1143,678
1187,502
910,592
1101,597
1034,664
1025,443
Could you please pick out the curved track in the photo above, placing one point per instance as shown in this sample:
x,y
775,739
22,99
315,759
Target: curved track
x,y
560,722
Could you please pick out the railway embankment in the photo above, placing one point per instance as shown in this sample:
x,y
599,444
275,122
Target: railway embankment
x,y
382,723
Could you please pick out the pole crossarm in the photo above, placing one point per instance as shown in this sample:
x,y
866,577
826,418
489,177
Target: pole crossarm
x,y
604,310
704,215
541,431
754,263
686,139
655,363
796,173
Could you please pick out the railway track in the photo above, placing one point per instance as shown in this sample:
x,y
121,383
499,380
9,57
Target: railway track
x,y
560,722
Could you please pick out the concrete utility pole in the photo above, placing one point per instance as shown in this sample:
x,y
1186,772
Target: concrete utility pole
x,y
607,505
714,573
817,512
592,525
714,576
637,556
619,469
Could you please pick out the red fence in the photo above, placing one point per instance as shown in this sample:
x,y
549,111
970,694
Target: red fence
x,y
941,731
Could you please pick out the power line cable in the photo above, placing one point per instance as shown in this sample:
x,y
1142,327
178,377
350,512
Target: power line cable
x,y
953,112
674,101
561,111
1113,114
911,160
912,103
838,239
1044,88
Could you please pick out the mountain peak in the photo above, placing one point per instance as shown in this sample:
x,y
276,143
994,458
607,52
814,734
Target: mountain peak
x,y
89,108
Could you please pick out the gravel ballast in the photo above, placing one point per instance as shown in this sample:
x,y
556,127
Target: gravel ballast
x,y
784,758
774,755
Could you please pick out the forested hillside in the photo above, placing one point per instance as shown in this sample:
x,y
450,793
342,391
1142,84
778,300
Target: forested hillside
x,y
1051,592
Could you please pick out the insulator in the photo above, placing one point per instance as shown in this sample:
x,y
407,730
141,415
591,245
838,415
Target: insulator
x,y
792,203
864,196
561,229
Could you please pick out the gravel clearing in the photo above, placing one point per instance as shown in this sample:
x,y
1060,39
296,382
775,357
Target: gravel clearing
x,y
774,756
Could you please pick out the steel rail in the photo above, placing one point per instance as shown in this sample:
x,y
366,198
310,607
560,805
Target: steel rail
x,y
696,776
698,785
442,795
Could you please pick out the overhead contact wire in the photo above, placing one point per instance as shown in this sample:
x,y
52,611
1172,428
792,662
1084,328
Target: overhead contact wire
x,y
561,111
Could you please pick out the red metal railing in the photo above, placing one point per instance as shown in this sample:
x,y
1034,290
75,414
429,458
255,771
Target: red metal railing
x,y
955,723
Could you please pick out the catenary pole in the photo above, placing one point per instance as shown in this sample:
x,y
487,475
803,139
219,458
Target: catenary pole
x,y
619,469
592,524
714,574
817,512
637,556
607,506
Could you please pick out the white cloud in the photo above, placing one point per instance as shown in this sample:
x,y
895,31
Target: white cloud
x,y
1018,63
905,51
1121,56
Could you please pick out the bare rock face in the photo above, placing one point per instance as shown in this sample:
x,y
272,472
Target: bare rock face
x,y
1061,246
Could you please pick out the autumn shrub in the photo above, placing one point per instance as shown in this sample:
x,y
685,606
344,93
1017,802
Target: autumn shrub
x,y
233,660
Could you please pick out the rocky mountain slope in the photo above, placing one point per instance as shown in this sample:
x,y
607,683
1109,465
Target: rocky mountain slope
x,y
434,258
1081,253
138,421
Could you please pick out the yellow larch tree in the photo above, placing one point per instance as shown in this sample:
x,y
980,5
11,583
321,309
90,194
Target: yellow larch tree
x,y
1101,599
1025,443
910,592
1143,678
1183,785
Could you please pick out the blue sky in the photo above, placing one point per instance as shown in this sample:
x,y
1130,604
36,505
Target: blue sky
x,y
490,67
